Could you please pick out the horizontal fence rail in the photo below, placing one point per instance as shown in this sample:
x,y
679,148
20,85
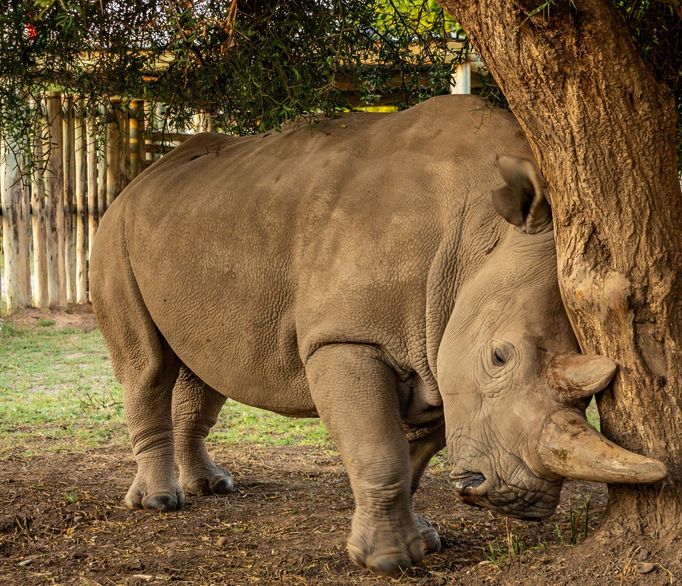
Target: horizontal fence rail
x,y
51,208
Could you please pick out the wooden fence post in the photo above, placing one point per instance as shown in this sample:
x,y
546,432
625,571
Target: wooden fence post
x,y
11,195
81,181
40,290
124,145
149,131
202,122
24,227
134,139
54,185
92,179
141,124
113,147
68,166
101,167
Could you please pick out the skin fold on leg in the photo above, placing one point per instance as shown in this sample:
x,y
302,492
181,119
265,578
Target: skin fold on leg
x,y
196,407
355,393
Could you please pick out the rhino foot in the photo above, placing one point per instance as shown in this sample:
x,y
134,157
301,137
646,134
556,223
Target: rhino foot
x,y
386,551
208,479
429,534
148,493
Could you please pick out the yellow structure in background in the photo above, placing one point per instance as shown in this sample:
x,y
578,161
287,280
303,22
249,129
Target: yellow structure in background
x,y
379,109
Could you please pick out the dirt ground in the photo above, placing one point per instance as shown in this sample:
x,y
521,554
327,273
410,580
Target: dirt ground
x,y
76,316
62,521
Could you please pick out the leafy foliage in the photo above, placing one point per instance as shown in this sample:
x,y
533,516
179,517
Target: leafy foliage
x,y
656,28
255,64
251,64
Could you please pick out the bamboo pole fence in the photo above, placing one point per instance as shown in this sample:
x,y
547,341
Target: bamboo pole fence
x,y
50,209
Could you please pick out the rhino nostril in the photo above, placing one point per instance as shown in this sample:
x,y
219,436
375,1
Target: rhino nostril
x,y
466,482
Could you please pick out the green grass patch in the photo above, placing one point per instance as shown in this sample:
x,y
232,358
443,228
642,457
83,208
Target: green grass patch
x,y
592,414
58,393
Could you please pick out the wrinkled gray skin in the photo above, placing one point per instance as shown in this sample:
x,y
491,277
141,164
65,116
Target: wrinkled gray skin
x,y
357,271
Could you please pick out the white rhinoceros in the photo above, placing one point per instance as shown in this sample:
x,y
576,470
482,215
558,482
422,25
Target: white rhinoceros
x,y
357,270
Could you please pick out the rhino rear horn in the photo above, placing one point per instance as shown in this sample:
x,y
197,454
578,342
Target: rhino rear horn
x,y
522,200
570,447
577,376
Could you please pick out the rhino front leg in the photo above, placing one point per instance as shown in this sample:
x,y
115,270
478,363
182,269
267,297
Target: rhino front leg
x,y
355,393
196,407
422,449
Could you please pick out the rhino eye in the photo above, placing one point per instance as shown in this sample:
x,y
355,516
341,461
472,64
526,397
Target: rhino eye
x,y
499,357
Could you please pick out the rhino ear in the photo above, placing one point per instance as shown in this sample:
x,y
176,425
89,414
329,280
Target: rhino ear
x,y
522,200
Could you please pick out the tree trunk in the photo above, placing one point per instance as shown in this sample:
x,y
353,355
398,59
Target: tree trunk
x,y
603,131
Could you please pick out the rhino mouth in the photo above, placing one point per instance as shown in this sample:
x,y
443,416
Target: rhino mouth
x,y
475,490
520,509
468,483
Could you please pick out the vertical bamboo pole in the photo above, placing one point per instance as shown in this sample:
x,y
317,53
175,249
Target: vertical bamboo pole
x,y
81,181
24,228
124,145
113,147
40,290
149,134
9,249
68,166
202,122
134,139
102,170
54,190
160,127
92,180
10,200
50,227
3,268
141,140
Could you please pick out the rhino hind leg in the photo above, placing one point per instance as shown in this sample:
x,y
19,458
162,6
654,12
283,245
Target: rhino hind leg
x,y
196,407
147,368
422,449
355,393
147,408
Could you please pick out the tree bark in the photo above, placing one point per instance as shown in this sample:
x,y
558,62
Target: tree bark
x,y
603,131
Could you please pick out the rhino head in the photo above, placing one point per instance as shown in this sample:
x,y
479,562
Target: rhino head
x,y
514,386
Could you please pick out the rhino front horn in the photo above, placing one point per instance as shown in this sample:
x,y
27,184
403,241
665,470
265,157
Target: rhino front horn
x,y
576,376
571,448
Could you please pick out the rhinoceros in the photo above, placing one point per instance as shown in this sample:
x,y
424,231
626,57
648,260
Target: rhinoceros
x,y
357,270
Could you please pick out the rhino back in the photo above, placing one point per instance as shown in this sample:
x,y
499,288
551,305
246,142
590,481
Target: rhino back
x,y
251,253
